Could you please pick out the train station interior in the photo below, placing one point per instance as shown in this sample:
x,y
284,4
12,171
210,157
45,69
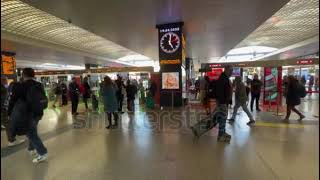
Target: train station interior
x,y
160,90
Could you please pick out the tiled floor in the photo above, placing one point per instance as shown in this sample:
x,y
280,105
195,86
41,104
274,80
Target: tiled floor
x,y
159,146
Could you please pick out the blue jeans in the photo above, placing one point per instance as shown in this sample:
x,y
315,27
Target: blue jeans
x,y
34,139
222,109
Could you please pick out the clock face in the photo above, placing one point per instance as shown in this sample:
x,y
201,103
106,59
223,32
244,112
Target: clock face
x,y
170,42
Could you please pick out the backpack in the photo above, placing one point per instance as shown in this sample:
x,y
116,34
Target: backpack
x,y
212,89
302,91
36,99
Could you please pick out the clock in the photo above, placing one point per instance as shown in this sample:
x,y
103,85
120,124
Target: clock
x,y
170,42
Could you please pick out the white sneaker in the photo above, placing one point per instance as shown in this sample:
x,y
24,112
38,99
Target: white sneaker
x,y
33,153
16,142
40,158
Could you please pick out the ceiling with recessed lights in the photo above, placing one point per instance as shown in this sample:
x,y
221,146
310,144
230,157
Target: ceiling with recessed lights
x,y
115,29
124,31
297,21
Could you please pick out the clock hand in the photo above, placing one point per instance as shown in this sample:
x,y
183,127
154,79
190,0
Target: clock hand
x,y
170,41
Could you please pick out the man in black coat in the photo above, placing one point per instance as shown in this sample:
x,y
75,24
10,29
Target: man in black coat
x,y
74,91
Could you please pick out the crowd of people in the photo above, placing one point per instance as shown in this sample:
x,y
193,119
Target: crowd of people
x,y
23,102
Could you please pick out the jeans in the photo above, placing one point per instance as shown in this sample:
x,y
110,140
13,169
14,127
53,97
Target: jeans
x,y
74,103
6,123
244,107
222,109
34,139
58,99
255,97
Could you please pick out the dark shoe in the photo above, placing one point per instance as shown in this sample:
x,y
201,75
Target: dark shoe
x,y
108,127
231,120
251,122
258,110
301,118
224,138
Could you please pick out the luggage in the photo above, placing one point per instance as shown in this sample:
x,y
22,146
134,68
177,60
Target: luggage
x,y
206,124
149,102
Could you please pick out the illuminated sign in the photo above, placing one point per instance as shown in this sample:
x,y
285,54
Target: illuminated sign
x,y
214,65
309,61
175,61
8,65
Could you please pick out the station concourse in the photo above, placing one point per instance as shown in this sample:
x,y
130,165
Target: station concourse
x,y
127,86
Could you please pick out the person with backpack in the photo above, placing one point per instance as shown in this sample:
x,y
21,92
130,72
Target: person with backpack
x,y
295,91
26,107
74,91
241,99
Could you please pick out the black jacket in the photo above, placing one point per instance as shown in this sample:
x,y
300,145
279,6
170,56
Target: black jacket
x,y
224,89
20,92
74,89
293,97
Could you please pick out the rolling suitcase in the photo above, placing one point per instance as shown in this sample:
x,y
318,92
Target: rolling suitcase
x,y
206,124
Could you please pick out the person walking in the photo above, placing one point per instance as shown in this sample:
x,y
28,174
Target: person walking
x,y
256,85
64,90
241,99
310,85
293,97
119,92
110,101
223,96
58,94
86,92
31,93
74,91
4,113
131,93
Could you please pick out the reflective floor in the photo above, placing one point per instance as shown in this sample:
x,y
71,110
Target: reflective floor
x,y
158,145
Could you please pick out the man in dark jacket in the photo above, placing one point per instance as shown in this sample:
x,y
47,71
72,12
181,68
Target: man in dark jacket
x,y
131,93
119,93
20,93
223,97
74,90
256,85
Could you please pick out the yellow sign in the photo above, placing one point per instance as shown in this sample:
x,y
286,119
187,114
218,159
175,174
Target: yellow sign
x,y
175,61
8,65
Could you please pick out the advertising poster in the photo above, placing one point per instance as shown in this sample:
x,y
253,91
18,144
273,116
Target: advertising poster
x,y
170,80
270,85
236,72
